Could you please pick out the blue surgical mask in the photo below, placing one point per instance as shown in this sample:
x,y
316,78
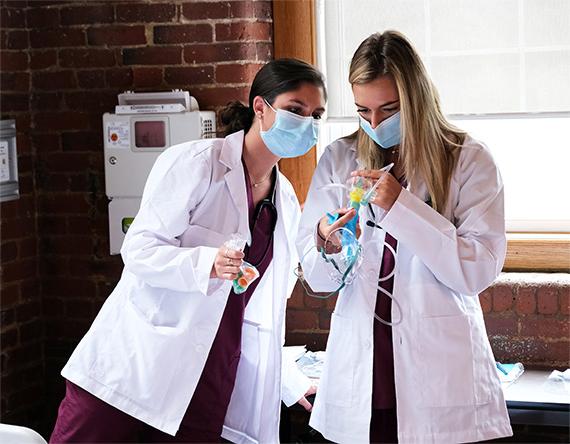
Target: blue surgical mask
x,y
387,133
290,135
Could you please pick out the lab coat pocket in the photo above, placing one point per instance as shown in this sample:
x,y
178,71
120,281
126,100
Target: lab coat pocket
x,y
198,236
245,389
340,371
445,361
139,360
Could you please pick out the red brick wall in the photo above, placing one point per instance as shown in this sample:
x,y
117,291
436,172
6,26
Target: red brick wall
x,y
527,317
63,64
21,325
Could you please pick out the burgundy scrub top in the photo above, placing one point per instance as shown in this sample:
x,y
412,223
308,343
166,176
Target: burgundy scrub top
x,y
209,404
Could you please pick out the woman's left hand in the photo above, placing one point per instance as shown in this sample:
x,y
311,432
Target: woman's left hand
x,y
387,192
304,401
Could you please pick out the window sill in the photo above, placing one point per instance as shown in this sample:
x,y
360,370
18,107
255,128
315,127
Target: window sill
x,y
538,252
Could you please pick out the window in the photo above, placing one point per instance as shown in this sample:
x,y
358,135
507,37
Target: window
x,y
501,68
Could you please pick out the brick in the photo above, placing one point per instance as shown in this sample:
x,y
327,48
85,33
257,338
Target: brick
x,y
205,10
325,320
264,51
46,101
547,300
46,142
28,248
68,287
219,52
183,33
14,81
243,31
54,80
8,316
119,78
60,121
312,302
486,301
28,310
245,9
545,327
43,59
66,162
502,297
81,15
17,228
526,300
94,101
91,78
86,58
564,296
313,340
64,203
237,73
501,325
147,13
8,251
296,299
81,141
9,339
116,35
56,38
13,17
53,306
72,245
14,102
166,55
189,75
147,77
79,308
15,40
213,97
13,61
302,320
42,18
15,271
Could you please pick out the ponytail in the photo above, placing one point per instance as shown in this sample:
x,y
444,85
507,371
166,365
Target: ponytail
x,y
235,117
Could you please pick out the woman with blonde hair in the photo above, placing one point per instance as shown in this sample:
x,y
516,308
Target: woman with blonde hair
x,y
408,358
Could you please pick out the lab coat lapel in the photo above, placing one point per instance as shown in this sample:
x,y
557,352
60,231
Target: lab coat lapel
x,y
230,156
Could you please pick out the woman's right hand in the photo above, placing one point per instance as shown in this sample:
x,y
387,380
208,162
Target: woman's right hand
x,y
227,263
325,229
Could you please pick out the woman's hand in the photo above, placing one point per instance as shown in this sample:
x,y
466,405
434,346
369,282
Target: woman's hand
x,y
304,401
227,263
387,192
324,229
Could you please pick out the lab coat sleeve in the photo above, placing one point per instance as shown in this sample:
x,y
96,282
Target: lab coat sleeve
x,y
468,254
294,383
318,202
151,250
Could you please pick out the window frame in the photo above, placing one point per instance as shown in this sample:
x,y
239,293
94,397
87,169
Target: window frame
x,y
295,32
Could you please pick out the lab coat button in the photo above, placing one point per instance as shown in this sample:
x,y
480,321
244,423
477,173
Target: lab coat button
x,y
367,345
199,348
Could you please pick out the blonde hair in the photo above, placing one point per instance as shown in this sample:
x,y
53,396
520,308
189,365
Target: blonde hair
x,y
430,145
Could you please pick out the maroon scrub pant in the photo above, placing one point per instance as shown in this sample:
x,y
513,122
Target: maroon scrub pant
x,y
85,418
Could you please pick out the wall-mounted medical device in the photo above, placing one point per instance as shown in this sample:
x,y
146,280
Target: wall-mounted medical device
x,y
9,188
143,126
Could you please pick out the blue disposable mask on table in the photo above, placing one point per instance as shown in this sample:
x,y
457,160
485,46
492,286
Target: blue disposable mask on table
x,y
290,135
387,133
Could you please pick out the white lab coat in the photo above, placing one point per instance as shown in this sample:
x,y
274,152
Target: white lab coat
x,y
148,345
447,388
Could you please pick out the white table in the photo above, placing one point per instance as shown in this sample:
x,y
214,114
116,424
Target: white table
x,y
534,400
